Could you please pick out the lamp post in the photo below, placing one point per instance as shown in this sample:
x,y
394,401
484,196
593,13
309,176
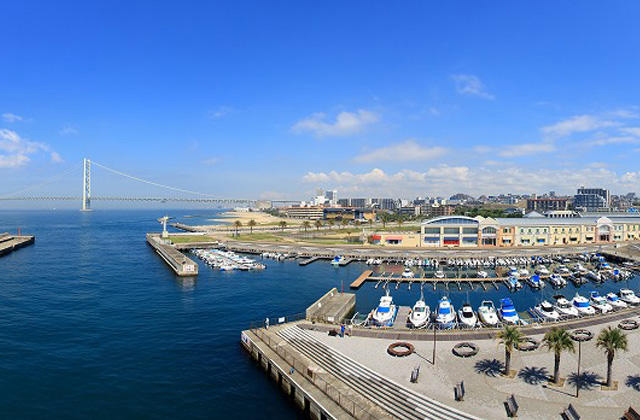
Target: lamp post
x,y
434,343
580,335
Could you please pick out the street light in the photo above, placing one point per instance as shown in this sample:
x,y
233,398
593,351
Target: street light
x,y
580,335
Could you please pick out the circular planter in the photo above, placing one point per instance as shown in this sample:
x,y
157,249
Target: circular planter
x,y
581,335
528,344
465,349
628,324
400,349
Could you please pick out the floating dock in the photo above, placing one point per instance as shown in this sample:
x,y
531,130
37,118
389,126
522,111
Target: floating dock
x,y
178,262
9,243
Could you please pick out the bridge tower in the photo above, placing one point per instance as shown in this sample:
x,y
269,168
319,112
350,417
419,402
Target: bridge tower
x,y
86,185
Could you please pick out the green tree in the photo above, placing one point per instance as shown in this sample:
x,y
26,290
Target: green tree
x,y
237,225
370,221
384,218
510,337
345,223
611,339
318,224
331,223
400,221
283,225
306,225
251,224
558,340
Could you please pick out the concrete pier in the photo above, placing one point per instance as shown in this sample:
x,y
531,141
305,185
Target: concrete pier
x,y
178,262
332,307
9,243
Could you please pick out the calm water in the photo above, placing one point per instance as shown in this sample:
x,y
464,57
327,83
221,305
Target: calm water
x,y
94,324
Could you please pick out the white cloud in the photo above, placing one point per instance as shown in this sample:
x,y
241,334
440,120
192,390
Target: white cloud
x,y
526,149
446,180
68,130
615,140
469,84
576,124
481,148
406,151
346,123
211,161
634,131
15,151
10,117
221,111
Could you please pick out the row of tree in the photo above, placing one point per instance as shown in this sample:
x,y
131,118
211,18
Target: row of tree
x,y
559,340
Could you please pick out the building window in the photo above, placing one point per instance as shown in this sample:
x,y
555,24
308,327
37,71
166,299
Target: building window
x,y
451,230
431,230
469,230
505,230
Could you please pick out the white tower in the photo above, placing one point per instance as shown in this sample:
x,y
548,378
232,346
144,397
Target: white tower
x,y
86,185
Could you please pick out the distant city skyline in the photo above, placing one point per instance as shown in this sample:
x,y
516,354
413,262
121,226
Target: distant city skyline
x,y
256,100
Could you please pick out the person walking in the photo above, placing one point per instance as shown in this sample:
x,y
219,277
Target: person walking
x,y
266,323
342,330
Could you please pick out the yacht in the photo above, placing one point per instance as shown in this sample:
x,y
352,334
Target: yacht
x,y
542,270
563,269
557,280
565,308
420,313
507,312
466,316
439,274
337,260
385,312
446,314
483,274
630,298
524,272
546,311
600,303
583,306
592,275
487,313
407,273
615,301
513,283
535,282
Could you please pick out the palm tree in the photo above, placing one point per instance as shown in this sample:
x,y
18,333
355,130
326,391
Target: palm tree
x,y
306,225
283,225
400,221
331,223
237,224
510,336
384,218
345,222
251,224
611,339
558,340
370,221
318,224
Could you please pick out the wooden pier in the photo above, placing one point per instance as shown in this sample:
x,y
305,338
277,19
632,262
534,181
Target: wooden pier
x,y
9,243
309,260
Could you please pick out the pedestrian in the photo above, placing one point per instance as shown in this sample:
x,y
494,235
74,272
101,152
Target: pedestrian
x,y
342,330
266,323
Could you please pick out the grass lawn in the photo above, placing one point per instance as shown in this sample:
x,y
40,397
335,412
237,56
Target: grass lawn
x,y
189,238
258,236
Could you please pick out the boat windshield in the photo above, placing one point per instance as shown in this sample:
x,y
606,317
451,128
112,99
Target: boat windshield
x,y
444,310
613,298
420,309
383,309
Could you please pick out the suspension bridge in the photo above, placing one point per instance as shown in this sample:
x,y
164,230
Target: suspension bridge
x,y
86,197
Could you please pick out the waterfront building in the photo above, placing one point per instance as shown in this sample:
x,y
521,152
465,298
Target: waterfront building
x,y
543,204
303,212
464,231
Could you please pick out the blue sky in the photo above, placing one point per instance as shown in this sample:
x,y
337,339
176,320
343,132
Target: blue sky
x,y
276,99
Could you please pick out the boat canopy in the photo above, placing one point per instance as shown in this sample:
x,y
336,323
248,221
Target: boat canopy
x,y
383,309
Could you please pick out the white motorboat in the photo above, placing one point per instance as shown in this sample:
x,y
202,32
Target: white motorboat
x,y
563,269
615,301
513,283
535,282
407,273
524,272
557,280
439,274
581,268
420,313
487,313
446,313
600,302
385,313
507,312
583,305
542,270
592,275
546,311
565,308
483,274
467,317
628,297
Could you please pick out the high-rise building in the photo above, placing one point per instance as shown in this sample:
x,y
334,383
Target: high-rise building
x,y
592,199
331,197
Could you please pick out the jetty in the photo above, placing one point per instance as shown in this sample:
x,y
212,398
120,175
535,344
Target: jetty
x,y
176,260
9,243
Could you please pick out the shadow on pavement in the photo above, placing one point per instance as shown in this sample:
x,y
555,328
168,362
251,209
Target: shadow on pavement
x,y
633,382
587,380
490,367
534,375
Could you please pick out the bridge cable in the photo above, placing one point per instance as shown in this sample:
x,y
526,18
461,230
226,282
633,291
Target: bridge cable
x,y
150,182
49,180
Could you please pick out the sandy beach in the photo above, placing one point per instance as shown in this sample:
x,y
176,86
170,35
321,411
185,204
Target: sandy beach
x,y
261,218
